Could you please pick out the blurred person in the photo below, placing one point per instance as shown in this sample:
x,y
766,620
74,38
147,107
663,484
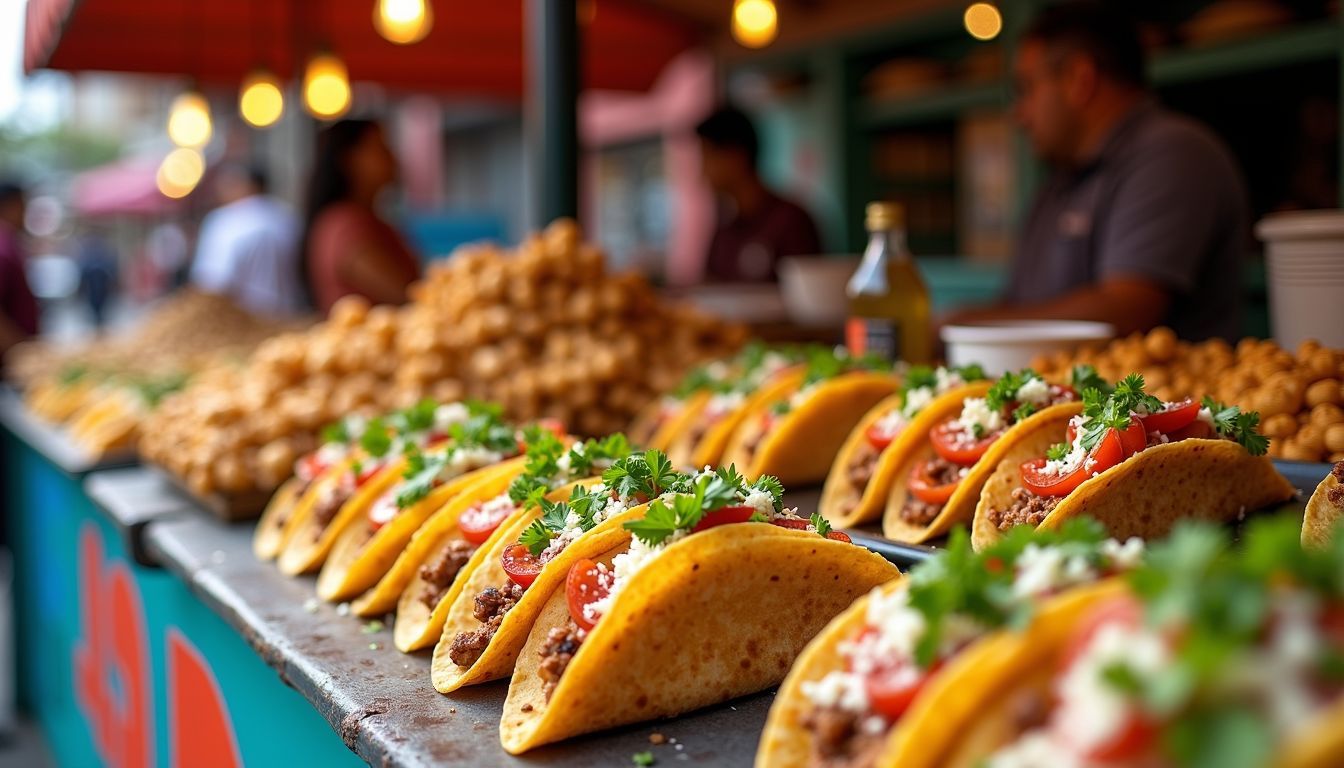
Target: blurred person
x,y
348,247
97,273
18,307
756,227
1144,218
248,247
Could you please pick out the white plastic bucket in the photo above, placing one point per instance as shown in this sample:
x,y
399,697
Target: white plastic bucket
x,y
1304,260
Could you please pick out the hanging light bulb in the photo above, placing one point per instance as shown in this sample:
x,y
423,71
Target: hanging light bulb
x,y
403,21
180,172
189,120
261,100
983,21
755,22
326,87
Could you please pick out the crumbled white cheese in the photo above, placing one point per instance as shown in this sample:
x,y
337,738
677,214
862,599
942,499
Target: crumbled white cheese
x,y
500,506
761,501
945,380
916,400
803,395
1034,391
330,453
717,370
624,566
1092,710
1041,570
1124,556
838,690
448,414
724,402
464,459
1074,458
1036,749
975,412
1206,416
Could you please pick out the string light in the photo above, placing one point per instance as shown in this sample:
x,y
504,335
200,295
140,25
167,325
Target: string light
x,y
403,21
180,172
983,21
755,22
261,100
189,122
326,87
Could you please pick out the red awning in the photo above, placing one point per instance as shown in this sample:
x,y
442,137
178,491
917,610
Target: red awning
x,y
126,187
473,49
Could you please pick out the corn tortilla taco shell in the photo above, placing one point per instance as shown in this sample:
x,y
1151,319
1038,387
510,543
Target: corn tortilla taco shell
x,y
360,556
1148,493
307,543
677,423
960,509
499,657
1321,516
800,446
869,506
709,450
957,716
269,537
722,614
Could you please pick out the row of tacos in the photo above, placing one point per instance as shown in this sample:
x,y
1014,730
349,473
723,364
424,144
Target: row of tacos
x,y
1066,648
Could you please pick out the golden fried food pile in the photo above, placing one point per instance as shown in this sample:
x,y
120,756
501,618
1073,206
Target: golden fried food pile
x,y
541,329
1300,395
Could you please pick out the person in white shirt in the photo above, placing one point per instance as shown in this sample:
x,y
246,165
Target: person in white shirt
x,y
248,247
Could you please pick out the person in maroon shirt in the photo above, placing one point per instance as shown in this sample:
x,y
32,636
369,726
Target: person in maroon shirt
x,y
18,308
756,227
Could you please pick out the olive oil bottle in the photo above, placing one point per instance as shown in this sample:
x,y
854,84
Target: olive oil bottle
x,y
888,301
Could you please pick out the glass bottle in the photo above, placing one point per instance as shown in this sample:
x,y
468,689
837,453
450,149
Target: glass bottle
x,y
888,301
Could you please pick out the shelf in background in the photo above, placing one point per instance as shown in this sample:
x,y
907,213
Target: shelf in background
x,y
941,104
1291,45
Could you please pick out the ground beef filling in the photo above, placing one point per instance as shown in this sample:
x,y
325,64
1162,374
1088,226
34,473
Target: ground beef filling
x,y
1336,495
324,511
862,465
556,653
942,472
438,574
1027,509
838,741
491,605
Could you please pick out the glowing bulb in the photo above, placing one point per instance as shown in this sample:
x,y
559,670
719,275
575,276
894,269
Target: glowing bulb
x,y
755,22
403,21
180,172
983,21
189,120
326,87
261,101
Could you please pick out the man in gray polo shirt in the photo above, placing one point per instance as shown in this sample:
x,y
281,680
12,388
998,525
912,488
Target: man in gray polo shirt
x,y
1143,220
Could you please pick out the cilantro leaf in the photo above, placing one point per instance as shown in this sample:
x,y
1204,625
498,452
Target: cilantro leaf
x,y
1057,452
1084,376
918,376
643,759
337,432
376,440
771,485
1023,411
417,418
417,486
1230,422
1004,390
822,525
970,372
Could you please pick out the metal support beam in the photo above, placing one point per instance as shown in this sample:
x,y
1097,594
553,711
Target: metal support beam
x,y
552,108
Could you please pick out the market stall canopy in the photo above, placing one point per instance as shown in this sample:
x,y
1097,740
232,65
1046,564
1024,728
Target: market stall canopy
x,y
473,49
124,187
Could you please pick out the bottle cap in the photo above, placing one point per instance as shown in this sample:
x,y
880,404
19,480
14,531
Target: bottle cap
x,y
885,215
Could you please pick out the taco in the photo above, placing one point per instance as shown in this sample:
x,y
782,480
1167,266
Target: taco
x,y
860,479
1206,656
795,434
469,468
867,668
760,374
487,621
1133,462
339,440
1324,508
661,420
715,595
936,484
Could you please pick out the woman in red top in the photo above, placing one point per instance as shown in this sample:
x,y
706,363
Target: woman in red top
x,y
348,248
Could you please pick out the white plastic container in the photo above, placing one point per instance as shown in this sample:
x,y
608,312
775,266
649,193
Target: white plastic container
x,y
814,288
1304,260
1010,346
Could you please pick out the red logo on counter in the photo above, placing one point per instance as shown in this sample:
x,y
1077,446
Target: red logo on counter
x,y
111,662
200,732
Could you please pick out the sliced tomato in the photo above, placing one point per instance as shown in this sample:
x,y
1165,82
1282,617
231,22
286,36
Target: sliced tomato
x,y
880,438
1134,438
519,565
949,442
724,516
1331,621
1196,429
310,466
799,524
477,523
1109,452
586,584
1135,739
1174,417
928,490
1062,393
367,472
892,690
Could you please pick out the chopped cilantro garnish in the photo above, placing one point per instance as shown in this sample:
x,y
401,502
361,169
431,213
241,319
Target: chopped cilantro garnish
x,y
698,379
1023,411
338,432
780,408
757,517
828,362
376,440
484,428
647,474
1230,422
1057,452
822,525
684,510
643,759
918,376
771,485
970,372
1084,376
1004,390
417,418
418,483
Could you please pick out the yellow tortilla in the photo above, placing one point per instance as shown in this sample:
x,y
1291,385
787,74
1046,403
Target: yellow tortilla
x,y
960,509
360,557
722,613
499,657
1319,521
306,543
709,450
1146,494
838,494
269,536
663,430
801,445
